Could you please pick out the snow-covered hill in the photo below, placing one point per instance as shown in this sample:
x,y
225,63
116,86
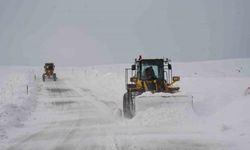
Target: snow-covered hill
x,y
81,110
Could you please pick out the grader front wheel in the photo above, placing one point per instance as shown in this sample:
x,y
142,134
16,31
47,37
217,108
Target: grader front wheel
x,y
54,77
43,78
128,105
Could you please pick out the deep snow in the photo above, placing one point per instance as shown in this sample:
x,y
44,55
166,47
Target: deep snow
x,y
82,109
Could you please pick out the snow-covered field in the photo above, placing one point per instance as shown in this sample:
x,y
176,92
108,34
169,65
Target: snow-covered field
x,y
82,110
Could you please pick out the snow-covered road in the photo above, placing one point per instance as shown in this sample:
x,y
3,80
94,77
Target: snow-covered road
x,y
82,111
73,118
76,119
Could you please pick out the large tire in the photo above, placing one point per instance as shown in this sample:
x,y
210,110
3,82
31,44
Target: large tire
x,y
128,105
54,77
43,78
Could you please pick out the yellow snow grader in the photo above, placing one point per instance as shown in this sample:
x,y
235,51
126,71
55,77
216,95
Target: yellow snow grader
x,y
150,82
49,71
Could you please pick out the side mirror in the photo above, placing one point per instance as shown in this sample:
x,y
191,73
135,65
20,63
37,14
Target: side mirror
x,y
176,78
133,67
169,67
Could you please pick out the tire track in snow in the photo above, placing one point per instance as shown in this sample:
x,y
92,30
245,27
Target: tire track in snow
x,y
83,107
45,132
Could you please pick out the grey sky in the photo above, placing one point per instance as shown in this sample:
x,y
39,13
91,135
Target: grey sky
x,y
89,32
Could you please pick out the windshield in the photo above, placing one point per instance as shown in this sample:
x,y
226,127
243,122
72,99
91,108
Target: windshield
x,y
151,70
50,67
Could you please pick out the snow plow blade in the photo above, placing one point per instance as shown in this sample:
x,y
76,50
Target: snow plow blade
x,y
163,100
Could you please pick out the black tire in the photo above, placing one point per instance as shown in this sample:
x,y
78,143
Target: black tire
x,y
54,77
43,78
128,105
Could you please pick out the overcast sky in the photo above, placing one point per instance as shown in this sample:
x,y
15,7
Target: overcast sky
x,y
90,32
